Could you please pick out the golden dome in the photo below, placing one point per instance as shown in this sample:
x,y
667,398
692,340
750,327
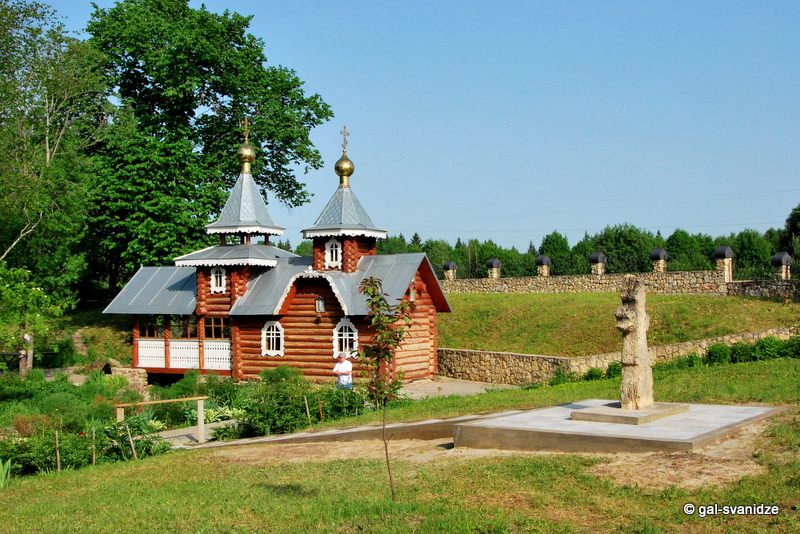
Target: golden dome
x,y
246,156
344,168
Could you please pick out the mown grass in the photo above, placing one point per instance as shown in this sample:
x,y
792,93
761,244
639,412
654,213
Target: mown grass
x,y
203,491
584,324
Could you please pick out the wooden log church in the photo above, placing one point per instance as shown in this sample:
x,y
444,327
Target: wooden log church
x,y
239,308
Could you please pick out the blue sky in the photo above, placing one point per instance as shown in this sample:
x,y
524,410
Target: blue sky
x,y
507,120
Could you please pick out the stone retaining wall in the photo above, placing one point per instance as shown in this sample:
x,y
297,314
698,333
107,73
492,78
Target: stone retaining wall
x,y
510,368
669,283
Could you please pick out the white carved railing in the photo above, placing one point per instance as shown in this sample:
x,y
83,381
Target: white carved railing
x,y
184,354
217,354
151,353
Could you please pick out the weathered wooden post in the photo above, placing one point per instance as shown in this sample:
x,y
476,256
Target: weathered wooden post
x,y
636,388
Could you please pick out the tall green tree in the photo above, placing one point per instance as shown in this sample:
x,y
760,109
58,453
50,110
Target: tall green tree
x,y
53,109
627,248
790,240
185,78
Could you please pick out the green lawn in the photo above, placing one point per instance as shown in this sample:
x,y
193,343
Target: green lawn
x,y
204,491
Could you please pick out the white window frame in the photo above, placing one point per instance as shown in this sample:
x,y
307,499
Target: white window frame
x,y
272,331
347,334
218,281
333,254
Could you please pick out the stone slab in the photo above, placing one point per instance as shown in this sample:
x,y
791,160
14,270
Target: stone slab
x,y
613,413
553,429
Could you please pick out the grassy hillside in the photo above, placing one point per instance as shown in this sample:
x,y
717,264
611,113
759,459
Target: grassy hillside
x,y
584,324
552,325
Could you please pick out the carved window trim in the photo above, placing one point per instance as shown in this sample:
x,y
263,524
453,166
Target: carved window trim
x,y
272,339
345,339
218,281
333,254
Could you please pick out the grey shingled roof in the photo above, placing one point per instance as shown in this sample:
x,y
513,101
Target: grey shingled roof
x,y
267,290
344,215
245,211
158,290
244,254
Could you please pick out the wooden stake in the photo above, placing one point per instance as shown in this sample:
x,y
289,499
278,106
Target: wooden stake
x,y
130,439
308,412
58,455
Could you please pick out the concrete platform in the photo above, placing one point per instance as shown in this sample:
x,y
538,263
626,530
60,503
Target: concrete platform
x,y
614,413
553,429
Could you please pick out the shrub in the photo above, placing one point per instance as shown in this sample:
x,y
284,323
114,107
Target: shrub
x,y
67,411
282,373
614,370
594,373
790,348
561,377
718,354
742,352
768,348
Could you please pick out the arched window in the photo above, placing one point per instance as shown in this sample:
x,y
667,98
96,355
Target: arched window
x,y
333,254
218,280
272,339
345,339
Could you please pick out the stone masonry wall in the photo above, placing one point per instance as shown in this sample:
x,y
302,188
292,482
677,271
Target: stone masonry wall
x,y
708,282
510,368
669,283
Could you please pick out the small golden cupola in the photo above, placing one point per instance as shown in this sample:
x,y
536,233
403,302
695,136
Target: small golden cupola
x,y
344,232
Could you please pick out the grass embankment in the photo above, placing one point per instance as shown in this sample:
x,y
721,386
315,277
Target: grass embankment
x,y
205,491
583,324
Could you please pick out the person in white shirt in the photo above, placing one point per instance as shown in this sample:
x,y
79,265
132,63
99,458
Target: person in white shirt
x,y
343,371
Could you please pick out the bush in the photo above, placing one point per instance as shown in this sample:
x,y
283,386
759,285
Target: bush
x,y
768,348
718,354
742,352
791,348
594,373
614,370
561,377
282,373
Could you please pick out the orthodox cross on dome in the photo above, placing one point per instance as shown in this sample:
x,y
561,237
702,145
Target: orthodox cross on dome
x,y
246,125
345,134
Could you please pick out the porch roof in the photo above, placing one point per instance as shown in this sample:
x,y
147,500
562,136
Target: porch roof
x,y
158,290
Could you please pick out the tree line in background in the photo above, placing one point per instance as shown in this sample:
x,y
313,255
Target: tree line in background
x,y
626,247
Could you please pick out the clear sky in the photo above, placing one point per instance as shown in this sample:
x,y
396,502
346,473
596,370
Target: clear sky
x,y
507,120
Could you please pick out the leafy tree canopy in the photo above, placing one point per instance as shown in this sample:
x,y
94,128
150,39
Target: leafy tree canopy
x,y
185,78
52,111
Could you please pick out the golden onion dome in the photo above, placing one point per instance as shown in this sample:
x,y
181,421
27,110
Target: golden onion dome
x,y
344,168
246,155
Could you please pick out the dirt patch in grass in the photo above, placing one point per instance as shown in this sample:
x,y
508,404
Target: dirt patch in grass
x,y
717,465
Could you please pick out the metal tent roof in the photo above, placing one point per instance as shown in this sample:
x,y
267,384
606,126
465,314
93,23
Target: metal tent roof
x,y
344,215
245,211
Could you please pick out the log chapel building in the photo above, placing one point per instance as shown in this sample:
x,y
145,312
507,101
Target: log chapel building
x,y
238,309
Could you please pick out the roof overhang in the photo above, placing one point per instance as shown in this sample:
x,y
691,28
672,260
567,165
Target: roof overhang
x,y
239,229
349,232
220,262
